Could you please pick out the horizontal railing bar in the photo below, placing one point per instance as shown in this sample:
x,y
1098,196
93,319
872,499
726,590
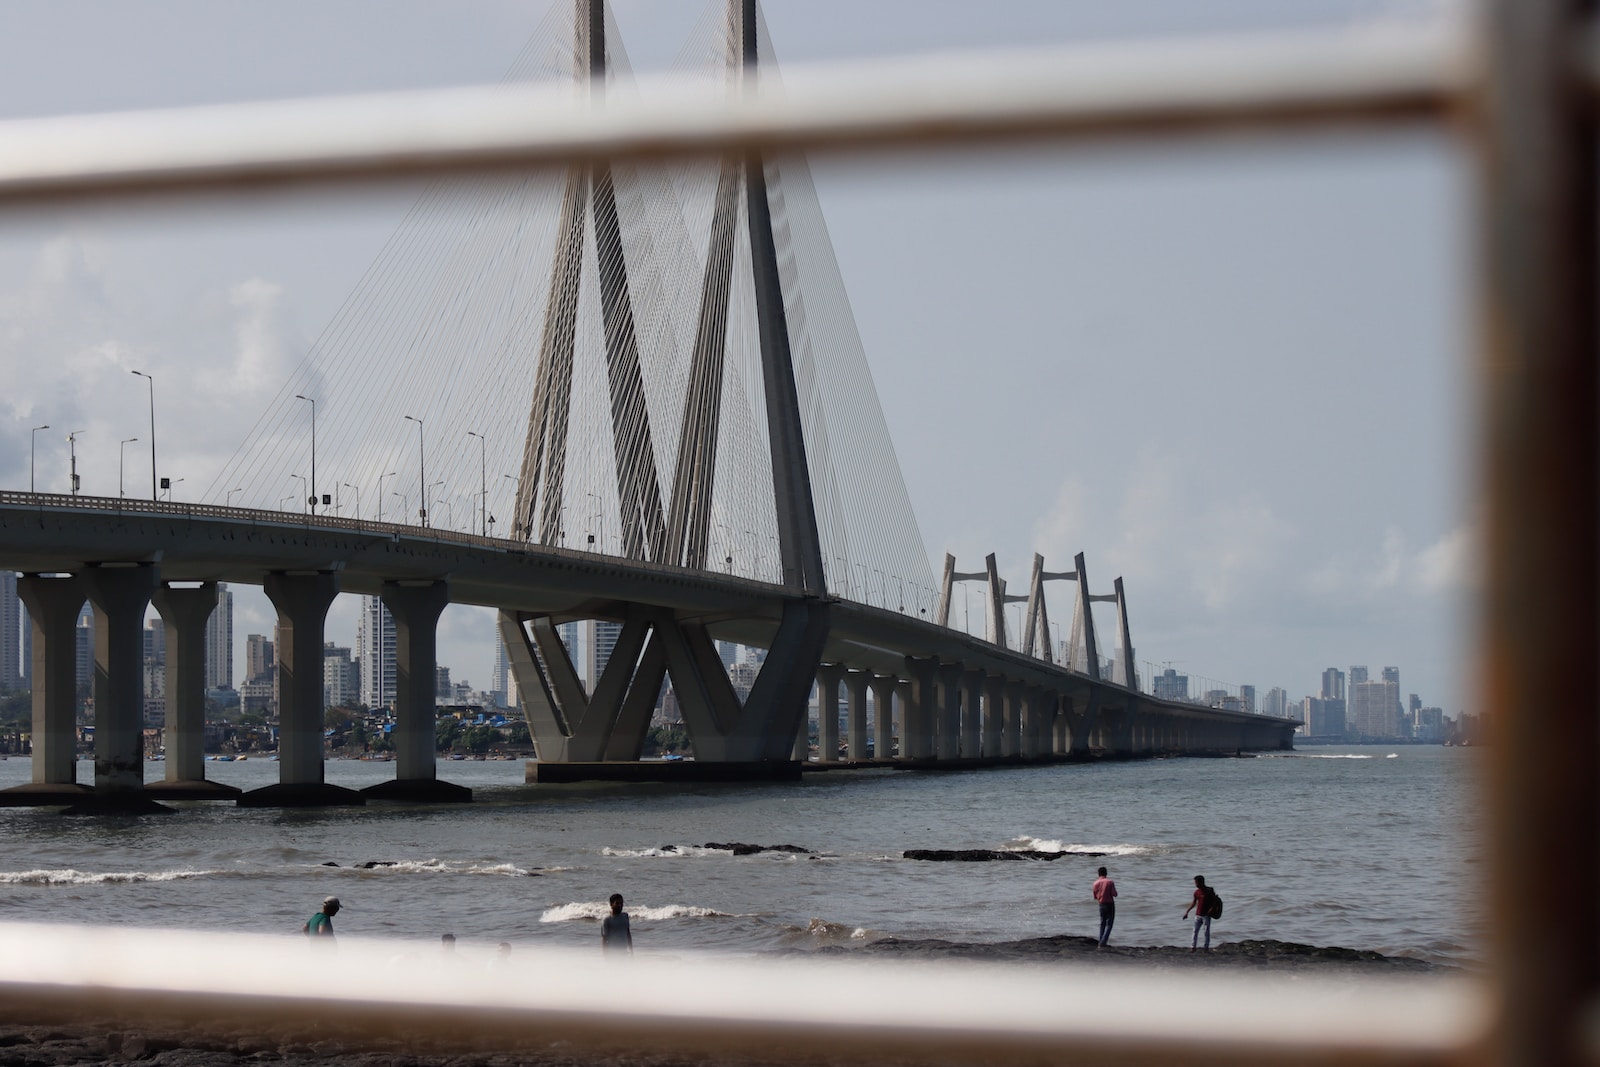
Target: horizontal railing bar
x,y
1260,82
788,1008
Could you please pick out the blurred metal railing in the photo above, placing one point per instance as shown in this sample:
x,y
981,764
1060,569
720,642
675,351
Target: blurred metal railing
x,y
1523,88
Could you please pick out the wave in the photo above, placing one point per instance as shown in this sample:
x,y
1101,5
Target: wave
x,y
435,866
1340,755
1026,843
594,911
699,851
71,877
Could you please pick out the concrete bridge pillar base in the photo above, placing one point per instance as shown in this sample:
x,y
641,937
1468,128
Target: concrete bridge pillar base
x,y
903,693
302,600
948,743
855,687
419,791
120,594
1011,741
972,715
415,607
992,740
917,727
185,613
53,607
301,795
828,679
883,717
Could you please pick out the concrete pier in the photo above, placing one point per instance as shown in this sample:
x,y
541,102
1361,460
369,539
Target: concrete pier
x,y
184,612
855,687
828,678
883,688
302,599
416,607
916,726
53,606
120,594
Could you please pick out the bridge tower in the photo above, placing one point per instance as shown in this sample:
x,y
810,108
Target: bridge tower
x,y
568,723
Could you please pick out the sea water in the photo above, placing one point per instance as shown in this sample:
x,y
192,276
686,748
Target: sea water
x,y
1362,847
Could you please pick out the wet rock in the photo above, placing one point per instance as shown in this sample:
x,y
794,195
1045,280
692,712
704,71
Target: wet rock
x,y
983,855
327,863
739,848
370,864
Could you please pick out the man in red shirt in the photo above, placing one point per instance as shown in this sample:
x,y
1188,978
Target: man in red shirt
x,y
1105,891
1201,906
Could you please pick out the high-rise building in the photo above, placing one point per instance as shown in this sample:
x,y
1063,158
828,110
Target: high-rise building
x,y
1333,684
1247,697
601,639
1357,675
1276,702
10,633
341,679
259,660
85,649
1375,710
441,683
219,642
1170,685
375,646
1324,719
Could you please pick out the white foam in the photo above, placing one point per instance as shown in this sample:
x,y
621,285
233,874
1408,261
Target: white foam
x,y
1344,755
435,866
595,910
72,877
1041,844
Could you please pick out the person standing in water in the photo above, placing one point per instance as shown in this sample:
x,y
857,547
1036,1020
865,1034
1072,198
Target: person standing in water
x,y
615,936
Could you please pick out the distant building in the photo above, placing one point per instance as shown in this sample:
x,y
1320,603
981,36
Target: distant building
x,y
1357,675
441,683
376,648
1333,684
1323,719
1375,711
1276,702
1170,685
219,642
11,613
259,660
1215,698
341,678
601,638
85,649
1428,725
1247,697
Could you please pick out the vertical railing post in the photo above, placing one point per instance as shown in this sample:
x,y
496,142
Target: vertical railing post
x,y
1538,388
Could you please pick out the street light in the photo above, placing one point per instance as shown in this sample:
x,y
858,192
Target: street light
x,y
483,477
302,478
381,477
33,439
516,527
72,451
122,454
227,501
169,486
357,488
405,501
450,518
152,383
422,471
313,404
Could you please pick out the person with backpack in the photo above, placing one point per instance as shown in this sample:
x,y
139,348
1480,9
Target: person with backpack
x,y
1105,893
1206,905
321,924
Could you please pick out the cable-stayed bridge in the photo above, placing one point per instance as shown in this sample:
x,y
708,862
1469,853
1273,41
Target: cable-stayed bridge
x,y
630,392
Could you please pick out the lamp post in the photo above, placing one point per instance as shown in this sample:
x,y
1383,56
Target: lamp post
x,y
228,500
122,455
313,404
357,488
381,477
72,452
516,527
33,444
170,487
151,382
483,478
422,472
404,500
302,478
449,516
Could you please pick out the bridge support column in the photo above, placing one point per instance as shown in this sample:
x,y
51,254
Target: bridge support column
x,y
1011,741
1061,732
185,612
302,599
972,715
883,688
855,687
948,745
120,594
802,740
992,735
1032,715
53,607
828,678
903,693
415,607
916,727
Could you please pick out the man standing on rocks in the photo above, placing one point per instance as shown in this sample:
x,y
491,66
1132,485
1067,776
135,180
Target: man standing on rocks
x,y
1105,892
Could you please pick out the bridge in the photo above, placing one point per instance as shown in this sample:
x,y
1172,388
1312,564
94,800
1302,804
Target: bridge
x,y
665,354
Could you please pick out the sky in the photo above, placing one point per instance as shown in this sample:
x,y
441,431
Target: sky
x,y
1232,371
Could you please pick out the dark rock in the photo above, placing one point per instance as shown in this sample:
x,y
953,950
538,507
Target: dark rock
x,y
327,863
739,848
370,864
982,855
